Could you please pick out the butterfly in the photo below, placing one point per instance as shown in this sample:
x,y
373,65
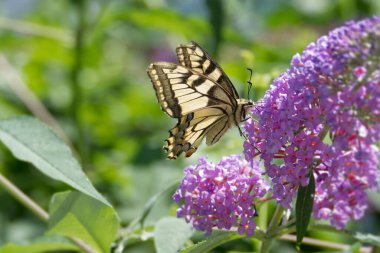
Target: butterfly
x,y
200,96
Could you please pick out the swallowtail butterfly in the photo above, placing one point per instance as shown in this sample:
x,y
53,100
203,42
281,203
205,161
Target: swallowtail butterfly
x,y
199,94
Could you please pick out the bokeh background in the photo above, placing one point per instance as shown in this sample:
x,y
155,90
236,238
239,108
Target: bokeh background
x,y
80,66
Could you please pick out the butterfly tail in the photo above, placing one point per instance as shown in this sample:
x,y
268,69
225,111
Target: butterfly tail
x,y
180,140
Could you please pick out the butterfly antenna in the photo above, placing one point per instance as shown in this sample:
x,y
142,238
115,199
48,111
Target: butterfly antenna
x,y
249,81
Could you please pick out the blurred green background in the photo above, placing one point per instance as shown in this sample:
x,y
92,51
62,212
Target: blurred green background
x,y
85,63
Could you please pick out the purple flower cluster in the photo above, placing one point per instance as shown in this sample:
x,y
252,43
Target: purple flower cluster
x,y
323,115
221,195
341,185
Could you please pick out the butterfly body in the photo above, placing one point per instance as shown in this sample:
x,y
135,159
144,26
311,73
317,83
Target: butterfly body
x,y
200,95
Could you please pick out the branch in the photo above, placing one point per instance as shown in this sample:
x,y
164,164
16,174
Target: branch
x,y
14,81
36,30
331,245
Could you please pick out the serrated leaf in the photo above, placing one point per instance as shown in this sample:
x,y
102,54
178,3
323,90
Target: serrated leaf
x,y
43,244
218,238
75,214
170,234
304,207
32,141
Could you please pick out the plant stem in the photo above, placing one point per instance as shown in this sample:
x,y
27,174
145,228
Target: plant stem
x,y
324,244
36,209
33,29
276,218
76,89
14,81
23,198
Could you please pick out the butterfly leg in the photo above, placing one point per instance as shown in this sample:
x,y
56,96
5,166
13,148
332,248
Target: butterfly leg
x,y
241,133
246,138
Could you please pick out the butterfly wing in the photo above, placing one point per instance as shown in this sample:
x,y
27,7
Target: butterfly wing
x,y
194,57
188,134
201,106
180,90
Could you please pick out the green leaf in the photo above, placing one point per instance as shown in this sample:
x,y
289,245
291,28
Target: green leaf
x,y
170,234
355,248
75,214
218,238
304,207
150,203
367,238
43,244
30,140
139,220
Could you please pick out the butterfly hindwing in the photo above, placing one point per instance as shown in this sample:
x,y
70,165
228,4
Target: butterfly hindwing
x,y
187,135
216,131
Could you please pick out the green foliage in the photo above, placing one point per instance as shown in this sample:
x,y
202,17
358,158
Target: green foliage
x,y
367,238
151,202
30,140
304,208
77,215
354,248
170,234
190,27
42,244
107,108
216,239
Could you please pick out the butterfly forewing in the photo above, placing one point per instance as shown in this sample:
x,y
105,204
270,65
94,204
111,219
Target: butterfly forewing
x,y
194,57
180,90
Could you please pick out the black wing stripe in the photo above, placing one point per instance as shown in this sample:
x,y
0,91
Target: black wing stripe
x,y
195,58
163,92
216,131
197,82
209,69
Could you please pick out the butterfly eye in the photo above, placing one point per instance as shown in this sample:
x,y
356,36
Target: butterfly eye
x,y
245,110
